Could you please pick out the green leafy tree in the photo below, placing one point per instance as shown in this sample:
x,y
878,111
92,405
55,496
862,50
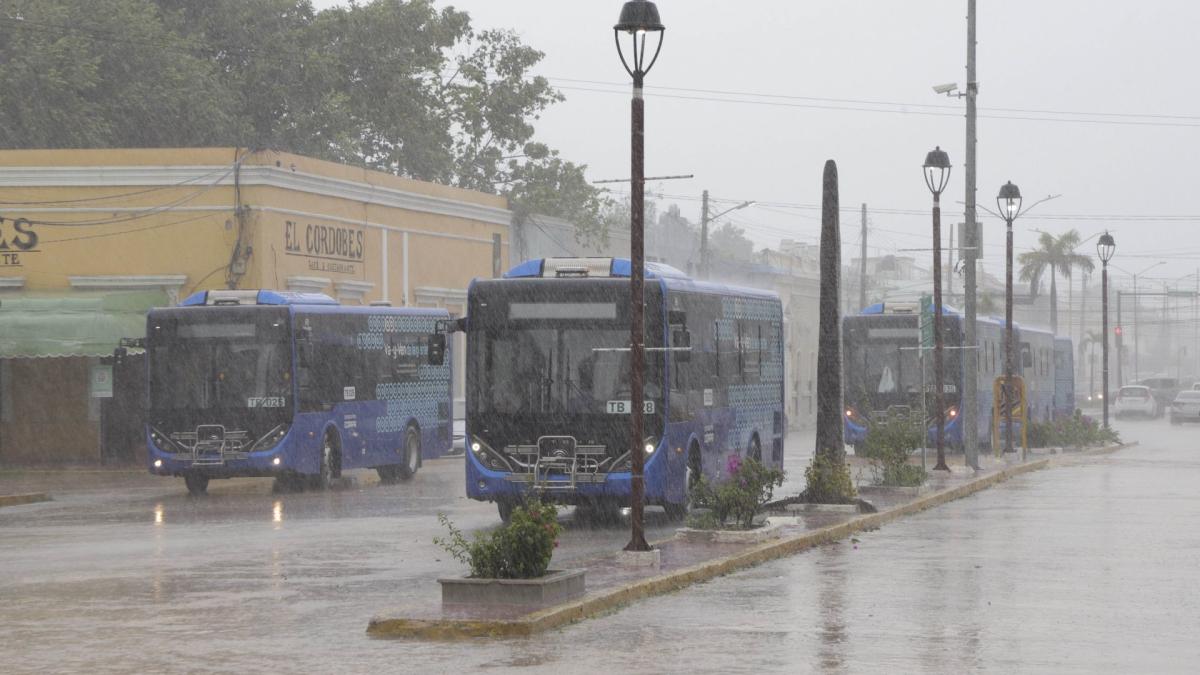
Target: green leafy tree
x,y
730,242
1056,255
395,85
105,73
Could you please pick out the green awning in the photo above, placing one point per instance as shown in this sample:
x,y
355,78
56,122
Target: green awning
x,y
78,324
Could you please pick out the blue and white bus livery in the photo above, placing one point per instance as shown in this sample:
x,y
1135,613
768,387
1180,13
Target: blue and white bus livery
x,y
293,386
548,383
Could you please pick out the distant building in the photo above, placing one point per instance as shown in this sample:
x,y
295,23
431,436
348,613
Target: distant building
x,y
91,239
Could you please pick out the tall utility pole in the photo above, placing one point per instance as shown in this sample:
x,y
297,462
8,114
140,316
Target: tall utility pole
x,y
950,264
972,248
862,265
704,236
1120,345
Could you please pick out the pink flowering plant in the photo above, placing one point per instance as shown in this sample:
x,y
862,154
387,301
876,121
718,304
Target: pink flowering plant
x,y
521,549
733,502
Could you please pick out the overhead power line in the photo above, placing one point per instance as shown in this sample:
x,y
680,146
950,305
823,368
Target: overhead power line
x,y
927,110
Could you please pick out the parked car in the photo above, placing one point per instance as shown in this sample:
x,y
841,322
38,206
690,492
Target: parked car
x,y
1135,399
1186,407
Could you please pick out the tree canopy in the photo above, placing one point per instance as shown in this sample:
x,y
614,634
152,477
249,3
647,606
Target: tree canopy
x,y
1056,254
395,85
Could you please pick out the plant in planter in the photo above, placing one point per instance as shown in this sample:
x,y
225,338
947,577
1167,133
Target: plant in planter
x,y
520,549
1076,431
828,481
736,500
888,445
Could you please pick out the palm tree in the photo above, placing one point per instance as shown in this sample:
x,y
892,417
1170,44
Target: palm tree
x,y
1058,255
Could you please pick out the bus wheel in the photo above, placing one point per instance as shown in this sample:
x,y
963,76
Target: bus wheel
x,y
691,477
329,459
505,508
388,474
676,512
412,455
695,470
197,484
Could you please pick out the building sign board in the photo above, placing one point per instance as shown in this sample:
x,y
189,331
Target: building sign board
x,y
339,249
18,238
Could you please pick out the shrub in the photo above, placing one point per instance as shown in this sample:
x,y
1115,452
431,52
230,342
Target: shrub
x,y
738,498
888,445
1076,431
521,549
828,481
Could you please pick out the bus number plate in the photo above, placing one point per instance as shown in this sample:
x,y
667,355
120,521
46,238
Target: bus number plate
x,y
625,407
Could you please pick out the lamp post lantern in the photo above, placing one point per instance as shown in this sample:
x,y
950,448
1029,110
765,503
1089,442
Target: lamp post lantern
x,y
937,175
1105,248
1008,202
639,18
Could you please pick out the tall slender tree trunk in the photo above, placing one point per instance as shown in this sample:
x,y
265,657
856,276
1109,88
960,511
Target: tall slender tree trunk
x,y
829,347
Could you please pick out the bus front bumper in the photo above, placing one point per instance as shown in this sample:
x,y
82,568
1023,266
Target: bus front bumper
x,y
484,484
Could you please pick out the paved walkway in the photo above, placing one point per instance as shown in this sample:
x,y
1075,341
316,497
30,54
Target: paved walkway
x,y
684,560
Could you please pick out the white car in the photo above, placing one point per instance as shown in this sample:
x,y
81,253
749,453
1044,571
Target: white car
x,y
1186,407
1135,400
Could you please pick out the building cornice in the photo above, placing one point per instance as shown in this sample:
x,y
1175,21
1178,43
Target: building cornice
x,y
185,177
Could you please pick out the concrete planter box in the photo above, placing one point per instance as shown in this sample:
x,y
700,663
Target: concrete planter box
x,y
769,530
556,586
912,491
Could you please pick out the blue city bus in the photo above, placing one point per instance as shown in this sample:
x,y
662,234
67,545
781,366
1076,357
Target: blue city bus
x,y
1064,378
548,383
293,386
883,370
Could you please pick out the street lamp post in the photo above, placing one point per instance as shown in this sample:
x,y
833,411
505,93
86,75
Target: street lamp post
x,y
937,175
638,18
1105,248
1009,204
705,219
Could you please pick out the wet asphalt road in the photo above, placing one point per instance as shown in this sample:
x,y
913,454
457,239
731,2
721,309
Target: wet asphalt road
x,y
1084,568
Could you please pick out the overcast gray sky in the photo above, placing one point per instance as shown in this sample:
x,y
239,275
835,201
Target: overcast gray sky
x,y
1072,67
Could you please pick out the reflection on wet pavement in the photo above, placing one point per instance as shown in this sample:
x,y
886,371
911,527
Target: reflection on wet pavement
x,y
1083,568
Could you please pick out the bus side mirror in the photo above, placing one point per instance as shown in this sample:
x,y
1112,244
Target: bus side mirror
x,y
437,349
681,343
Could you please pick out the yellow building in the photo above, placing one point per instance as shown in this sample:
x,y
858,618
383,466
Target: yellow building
x,y
91,239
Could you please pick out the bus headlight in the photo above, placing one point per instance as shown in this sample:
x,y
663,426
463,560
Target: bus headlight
x,y
952,413
158,463
476,447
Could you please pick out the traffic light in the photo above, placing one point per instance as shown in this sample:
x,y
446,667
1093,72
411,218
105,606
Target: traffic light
x,y
1117,331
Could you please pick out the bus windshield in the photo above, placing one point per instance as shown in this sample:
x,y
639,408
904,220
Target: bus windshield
x,y
235,362
574,370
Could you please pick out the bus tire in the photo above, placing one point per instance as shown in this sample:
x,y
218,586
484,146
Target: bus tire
x,y
389,474
755,452
599,511
330,464
197,483
412,455
505,508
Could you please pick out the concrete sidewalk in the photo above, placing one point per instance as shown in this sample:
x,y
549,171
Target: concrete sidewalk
x,y
685,561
